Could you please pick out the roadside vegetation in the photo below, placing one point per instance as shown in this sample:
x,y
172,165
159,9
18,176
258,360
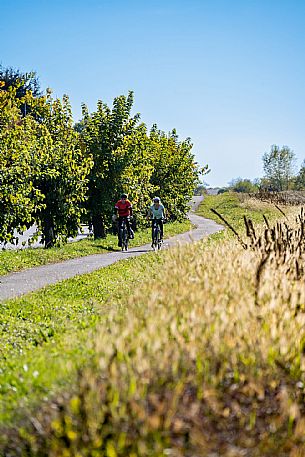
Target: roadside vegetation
x,y
45,335
203,355
233,207
55,174
15,260
286,198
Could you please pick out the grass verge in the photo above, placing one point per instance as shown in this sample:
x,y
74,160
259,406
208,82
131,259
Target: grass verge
x,y
44,335
15,260
177,367
233,207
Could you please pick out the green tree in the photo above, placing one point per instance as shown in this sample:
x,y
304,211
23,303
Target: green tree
x,y
43,169
104,134
279,167
300,178
62,177
135,176
23,82
176,174
243,185
19,198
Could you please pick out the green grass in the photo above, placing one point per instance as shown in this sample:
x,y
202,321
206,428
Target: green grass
x,y
168,351
233,207
15,260
43,331
45,335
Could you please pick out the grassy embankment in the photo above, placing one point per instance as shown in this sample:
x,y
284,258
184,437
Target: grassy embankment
x,y
15,260
201,358
37,328
234,207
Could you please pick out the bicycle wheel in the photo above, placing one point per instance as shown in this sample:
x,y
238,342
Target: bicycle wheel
x,y
125,239
155,238
159,241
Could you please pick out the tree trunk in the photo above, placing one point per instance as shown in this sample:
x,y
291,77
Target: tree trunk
x,y
48,232
98,227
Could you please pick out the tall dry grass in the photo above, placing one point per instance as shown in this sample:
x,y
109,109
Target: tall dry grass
x,y
289,197
203,361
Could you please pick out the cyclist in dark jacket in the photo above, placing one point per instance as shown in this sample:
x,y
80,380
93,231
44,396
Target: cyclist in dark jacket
x,y
124,209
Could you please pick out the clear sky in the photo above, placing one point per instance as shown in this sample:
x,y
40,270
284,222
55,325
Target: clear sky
x,y
230,74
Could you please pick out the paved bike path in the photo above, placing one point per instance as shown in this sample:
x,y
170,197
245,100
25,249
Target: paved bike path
x,y
16,284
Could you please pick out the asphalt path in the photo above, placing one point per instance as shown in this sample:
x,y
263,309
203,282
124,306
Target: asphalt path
x,y
16,284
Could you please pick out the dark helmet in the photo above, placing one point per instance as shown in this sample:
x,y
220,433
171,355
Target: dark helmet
x,y
124,196
156,200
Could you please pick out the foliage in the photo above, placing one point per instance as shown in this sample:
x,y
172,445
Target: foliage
x,y
279,168
300,178
176,174
223,190
63,173
243,185
23,82
56,175
127,159
201,371
19,197
135,177
103,134
43,169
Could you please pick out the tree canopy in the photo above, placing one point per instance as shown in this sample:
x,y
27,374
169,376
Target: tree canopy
x,y
43,170
54,173
18,196
128,158
243,185
279,167
22,82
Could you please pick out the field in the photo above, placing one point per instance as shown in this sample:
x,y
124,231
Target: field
x,y
198,352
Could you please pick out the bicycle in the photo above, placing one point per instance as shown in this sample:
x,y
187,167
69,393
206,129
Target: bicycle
x,y
156,236
124,235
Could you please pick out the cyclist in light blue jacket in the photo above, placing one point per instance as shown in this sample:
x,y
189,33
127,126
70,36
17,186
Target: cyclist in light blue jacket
x,y
157,211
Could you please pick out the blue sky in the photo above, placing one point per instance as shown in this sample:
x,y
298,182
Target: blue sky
x,y
228,74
